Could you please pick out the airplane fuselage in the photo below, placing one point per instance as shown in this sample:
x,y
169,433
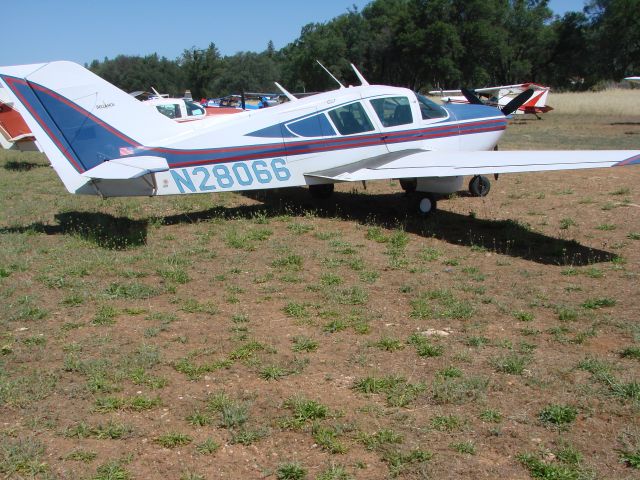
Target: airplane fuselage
x,y
280,146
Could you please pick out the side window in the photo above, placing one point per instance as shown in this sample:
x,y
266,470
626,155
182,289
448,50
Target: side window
x,y
170,110
350,119
194,109
315,126
430,109
393,111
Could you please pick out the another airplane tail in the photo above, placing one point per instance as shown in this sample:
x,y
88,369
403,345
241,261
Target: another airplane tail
x,y
538,101
81,122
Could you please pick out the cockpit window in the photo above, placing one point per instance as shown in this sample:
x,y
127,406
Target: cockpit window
x,y
393,111
193,109
350,119
430,109
171,110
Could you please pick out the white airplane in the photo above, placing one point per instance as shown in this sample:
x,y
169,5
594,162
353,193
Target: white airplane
x,y
633,79
500,96
178,109
101,141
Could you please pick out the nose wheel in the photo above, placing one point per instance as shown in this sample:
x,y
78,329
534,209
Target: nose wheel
x,y
479,186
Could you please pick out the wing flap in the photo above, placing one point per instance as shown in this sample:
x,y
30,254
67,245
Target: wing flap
x,y
447,164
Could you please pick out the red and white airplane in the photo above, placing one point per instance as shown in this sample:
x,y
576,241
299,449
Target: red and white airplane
x,y
101,141
500,96
14,132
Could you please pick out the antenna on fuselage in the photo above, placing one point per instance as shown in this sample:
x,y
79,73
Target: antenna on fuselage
x,y
330,74
155,92
290,96
363,81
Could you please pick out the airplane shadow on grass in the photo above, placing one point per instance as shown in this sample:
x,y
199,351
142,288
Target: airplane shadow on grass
x,y
22,166
504,237
102,229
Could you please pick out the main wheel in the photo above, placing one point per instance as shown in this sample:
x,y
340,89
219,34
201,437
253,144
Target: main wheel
x,y
321,190
479,186
409,184
427,204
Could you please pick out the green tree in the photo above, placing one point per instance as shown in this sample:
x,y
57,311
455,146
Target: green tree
x,y
247,71
132,73
571,60
616,26
201,69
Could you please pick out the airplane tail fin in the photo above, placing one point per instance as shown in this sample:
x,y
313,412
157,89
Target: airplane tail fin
x,y
81,121
542,101
539,99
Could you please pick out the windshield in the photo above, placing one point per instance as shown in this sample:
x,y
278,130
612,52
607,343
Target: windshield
x,y
430,109
193,109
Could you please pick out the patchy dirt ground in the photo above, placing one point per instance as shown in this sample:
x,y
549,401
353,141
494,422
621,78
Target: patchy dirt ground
x,y
271,336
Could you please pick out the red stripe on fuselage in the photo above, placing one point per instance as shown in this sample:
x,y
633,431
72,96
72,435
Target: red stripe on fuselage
x,y
325,146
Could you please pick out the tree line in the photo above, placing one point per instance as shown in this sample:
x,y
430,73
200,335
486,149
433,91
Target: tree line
x,y
420,44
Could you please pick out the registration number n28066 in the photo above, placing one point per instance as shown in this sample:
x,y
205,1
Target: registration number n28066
x,y
208,178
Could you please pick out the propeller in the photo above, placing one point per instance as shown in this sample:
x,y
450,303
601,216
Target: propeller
x,y
508,109
471,97
517,102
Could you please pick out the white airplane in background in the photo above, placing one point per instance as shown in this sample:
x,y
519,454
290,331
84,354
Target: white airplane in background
x,y
178,109
101,141
500,96
633,79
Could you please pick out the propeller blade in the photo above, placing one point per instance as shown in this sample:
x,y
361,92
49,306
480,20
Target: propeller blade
x,y
517,102
471,96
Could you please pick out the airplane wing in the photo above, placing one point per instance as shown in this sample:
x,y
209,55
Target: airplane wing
x,y
519,87
493,89
443,93
446,164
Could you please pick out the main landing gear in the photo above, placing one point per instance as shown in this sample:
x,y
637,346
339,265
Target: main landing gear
x,y
321,190
409,184
479,186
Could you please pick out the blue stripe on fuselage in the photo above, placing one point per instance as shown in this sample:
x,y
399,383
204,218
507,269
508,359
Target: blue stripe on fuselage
x,y
471,112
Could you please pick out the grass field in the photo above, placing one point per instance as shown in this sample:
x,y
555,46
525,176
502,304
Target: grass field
x,y
270,336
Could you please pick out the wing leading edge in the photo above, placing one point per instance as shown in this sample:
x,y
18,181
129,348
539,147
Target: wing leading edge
x,y
447,164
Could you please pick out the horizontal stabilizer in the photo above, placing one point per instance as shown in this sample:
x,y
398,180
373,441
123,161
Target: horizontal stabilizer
x,y
127,168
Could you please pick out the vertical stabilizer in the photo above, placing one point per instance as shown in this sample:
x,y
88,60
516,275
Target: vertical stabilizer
x,y
81,120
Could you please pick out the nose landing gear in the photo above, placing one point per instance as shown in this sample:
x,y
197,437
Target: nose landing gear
x,y
426,203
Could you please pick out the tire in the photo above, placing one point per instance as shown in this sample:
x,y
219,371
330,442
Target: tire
x,y
479,186
426,204
321,191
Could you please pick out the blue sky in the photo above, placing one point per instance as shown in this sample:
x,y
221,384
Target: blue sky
x,y
84,30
